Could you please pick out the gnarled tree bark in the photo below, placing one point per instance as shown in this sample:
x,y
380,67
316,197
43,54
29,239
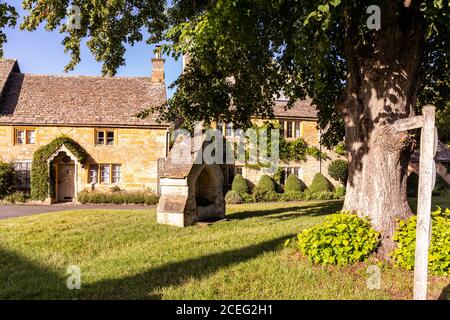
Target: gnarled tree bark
x,y
382,85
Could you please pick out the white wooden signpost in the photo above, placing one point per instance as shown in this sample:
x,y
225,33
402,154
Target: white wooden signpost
x,y
427,180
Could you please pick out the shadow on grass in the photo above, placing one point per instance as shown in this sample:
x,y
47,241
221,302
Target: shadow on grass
x,y
147,285
314,209
22,278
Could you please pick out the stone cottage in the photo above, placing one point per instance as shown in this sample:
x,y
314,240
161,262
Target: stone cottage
x,y
98,113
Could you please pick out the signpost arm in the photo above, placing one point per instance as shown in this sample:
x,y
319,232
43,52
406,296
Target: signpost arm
x,y
423,230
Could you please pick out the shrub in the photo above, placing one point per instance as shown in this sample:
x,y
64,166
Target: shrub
x,y
17,197
441,187
340,149
247,198
232,197
342,239
7,175
439,257
338,170
293,184
260,195
320,184
291,196
115,189
339,192
412,184
119,197
266,184
239,184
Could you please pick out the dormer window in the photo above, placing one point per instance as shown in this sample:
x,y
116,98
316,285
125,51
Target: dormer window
x,y
105,137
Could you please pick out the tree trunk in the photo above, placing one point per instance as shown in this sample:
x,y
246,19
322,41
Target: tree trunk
x,y
383,81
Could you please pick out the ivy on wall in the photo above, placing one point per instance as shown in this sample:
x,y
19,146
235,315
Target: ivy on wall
x,y
41,186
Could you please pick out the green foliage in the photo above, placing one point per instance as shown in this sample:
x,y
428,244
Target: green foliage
x,y
119,197
304,47
320,184
291,196
233,197
342,239
438,257
8,18
339,192
316,153
260,195
338,170
266,184
443,124
441,187
239,184
293,184
248,198
17,197
41,187
7,176
340,149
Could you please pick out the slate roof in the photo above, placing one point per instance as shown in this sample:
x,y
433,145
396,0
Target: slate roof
x,y
76,100
300,109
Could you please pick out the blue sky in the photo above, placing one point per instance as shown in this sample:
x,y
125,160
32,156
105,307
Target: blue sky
x,y
41,52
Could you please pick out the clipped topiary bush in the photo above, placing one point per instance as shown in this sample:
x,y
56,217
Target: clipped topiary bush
x,y
7,176
338,170
320,184
266,184
239,184
232,197
439,257
293,184
342,239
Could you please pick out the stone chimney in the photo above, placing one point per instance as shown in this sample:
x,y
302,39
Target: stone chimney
x,y
158,67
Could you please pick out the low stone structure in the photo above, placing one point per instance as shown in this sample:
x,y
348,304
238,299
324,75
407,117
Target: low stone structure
x,y
189,192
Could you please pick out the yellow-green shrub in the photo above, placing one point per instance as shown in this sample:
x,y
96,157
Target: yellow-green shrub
x,y
341,240
439,252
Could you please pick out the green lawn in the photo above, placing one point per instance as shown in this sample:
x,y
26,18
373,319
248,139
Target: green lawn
x,y
125,254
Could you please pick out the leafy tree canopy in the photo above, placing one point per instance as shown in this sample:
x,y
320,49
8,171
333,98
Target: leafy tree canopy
x,y
243,52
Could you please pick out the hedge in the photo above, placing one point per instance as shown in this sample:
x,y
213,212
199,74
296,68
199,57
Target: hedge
x,y
41,187
119,197
7,175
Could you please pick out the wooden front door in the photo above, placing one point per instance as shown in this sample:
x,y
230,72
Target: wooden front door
x,y
66,182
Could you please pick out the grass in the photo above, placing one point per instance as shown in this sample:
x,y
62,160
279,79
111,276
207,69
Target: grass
x,y
126,255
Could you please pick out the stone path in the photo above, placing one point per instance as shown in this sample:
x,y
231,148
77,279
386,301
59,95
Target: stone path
x,y
13,211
